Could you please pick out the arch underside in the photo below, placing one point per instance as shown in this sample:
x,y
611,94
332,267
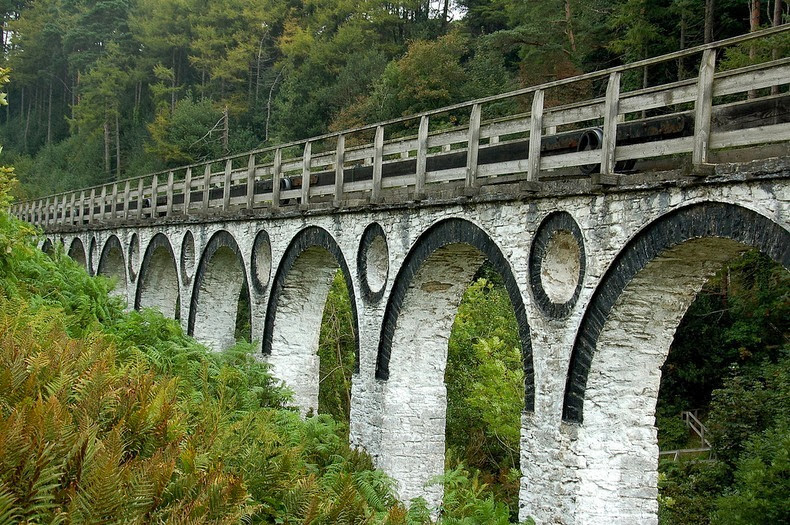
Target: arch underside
x,y
219,281
296,306
413,350
157,286
628,330
112,265
77,252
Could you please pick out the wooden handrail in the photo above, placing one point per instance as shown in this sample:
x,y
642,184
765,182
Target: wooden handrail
x,y
68,208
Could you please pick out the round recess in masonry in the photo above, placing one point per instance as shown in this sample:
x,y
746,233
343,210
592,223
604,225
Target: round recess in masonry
x,y
557,265
187,257
261,261
373,262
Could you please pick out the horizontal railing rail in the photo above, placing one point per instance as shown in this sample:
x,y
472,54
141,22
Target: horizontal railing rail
x,y
603,133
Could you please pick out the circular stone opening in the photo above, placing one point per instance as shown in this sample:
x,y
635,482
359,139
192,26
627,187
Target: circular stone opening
x,y
261,261
187,257
134,255
377,264
561,266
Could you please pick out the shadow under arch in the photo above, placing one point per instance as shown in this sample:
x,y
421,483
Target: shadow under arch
x,y
77,252
220,275
112,263
157,283
296,304
441,234
624,338
413,348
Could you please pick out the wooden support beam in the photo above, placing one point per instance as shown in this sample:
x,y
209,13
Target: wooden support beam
x,y
114,205
306,160
187,191
72,209
251,182
154,195
140,199
611,109
422,159
340,154
277,178
535,136
206,186
91,201
378,160
127,195
473,145
226,184
169,194
703,108
103,203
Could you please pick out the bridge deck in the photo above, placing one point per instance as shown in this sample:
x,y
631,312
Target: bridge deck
x,y
679,123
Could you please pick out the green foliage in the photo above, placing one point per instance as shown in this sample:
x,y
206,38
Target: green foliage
x,y
731,359
761,491
336,353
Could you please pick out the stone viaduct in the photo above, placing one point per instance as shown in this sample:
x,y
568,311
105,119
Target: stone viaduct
x,y
603,222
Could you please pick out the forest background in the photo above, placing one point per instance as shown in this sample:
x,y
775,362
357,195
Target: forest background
x,y
107,89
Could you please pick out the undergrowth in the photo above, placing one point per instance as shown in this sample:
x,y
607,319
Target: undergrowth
x,y
109,416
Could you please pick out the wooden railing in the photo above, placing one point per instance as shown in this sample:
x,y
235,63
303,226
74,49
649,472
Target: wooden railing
x,y
696,426
366,162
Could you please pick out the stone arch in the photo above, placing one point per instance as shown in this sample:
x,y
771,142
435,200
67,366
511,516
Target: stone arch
x,y
77,252
624,338
219,279
296,305
112,264
412,351
157,283
48,247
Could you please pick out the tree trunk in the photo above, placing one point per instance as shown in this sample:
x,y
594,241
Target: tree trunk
x,y
49,115
681,68
117,148
777,21
27,123
269,105
709,7
106,145
225,132
754,25
569,26
445,10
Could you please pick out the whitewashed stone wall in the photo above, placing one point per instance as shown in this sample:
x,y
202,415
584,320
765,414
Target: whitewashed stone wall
x,y
603,468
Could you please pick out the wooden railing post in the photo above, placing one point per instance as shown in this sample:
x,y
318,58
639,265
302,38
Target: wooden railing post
x,y
535,136
276,177
422,158
251,182
187,190
169,194
473,145
226,183
703,108
378,161
611,109
103,204
82,208
340,154
65,205
91,203
306,160
140,199
154,196
206,186
72,209
127,195
114,205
